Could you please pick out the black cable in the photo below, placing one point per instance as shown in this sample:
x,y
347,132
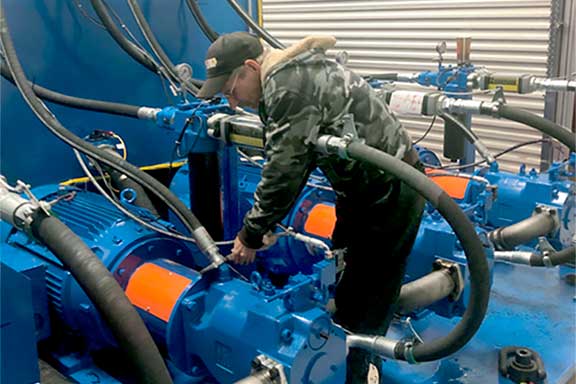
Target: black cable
x,y
381,76
470,136
157,48
259,31
178,140
543,125
85,14
77,102
104,291
201,20
133,48
204,241
512,148
427,131
130,48
126,29
473,249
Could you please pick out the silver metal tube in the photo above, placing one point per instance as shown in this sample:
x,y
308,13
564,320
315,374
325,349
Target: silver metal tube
x,y
553,84
375,344
316,243
460,105
425,291
515,257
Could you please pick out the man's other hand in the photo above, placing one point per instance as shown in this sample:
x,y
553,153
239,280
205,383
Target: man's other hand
x,y
241,254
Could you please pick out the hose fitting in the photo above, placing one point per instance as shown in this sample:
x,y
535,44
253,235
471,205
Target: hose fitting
x,y
378,345
15,209
147,113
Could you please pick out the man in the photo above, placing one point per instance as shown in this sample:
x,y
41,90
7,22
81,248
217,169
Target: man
x,y
301,94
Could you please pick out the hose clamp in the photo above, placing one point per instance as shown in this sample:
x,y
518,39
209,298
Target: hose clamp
x,y
546,259
409,353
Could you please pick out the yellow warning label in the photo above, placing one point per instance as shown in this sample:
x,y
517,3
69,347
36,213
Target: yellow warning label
x,y
507,84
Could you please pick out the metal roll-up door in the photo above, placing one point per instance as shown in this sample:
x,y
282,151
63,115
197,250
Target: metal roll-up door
x,y
508,36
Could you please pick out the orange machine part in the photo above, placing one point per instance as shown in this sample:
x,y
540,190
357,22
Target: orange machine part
x,y
454,186
156,290
321,220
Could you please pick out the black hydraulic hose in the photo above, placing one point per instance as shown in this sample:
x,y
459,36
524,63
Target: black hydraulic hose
x,y
157,48
77,102
471,136
130,48
464,230
106,294
545,126
259,31
382,76
564,256
522,232
203,239
121,181
201,20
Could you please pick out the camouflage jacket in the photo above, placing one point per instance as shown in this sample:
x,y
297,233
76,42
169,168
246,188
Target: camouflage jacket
x,y
304,95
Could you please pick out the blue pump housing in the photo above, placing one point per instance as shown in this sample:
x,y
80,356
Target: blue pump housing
x,y
519,194
435,240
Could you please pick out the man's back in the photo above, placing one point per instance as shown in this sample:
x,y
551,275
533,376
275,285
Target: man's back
x,y
315,95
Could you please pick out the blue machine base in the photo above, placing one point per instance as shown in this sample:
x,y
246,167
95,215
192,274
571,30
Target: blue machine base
x,y
529,307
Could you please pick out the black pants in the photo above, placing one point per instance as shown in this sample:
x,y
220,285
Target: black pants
x,y
377,238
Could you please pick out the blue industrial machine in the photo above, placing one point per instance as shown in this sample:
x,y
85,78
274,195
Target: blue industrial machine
x,y
212,326
519,195
269,322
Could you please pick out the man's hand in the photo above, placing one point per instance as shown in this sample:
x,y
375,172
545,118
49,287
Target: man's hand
x,y
241,254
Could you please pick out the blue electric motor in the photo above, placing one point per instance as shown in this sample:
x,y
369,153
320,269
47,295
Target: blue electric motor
x,y
212,326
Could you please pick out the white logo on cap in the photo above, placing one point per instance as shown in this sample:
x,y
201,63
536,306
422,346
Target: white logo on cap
x,y
211,63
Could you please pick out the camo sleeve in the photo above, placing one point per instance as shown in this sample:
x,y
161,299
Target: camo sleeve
x,y
290,159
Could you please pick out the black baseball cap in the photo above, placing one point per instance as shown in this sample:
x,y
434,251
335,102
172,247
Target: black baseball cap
x,y
226,54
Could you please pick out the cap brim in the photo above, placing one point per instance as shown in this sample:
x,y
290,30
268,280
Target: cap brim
x,y
212,86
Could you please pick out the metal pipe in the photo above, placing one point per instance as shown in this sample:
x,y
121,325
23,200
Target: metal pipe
x,y
540,224
260,377
546,259
378,345
514,257
425,291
